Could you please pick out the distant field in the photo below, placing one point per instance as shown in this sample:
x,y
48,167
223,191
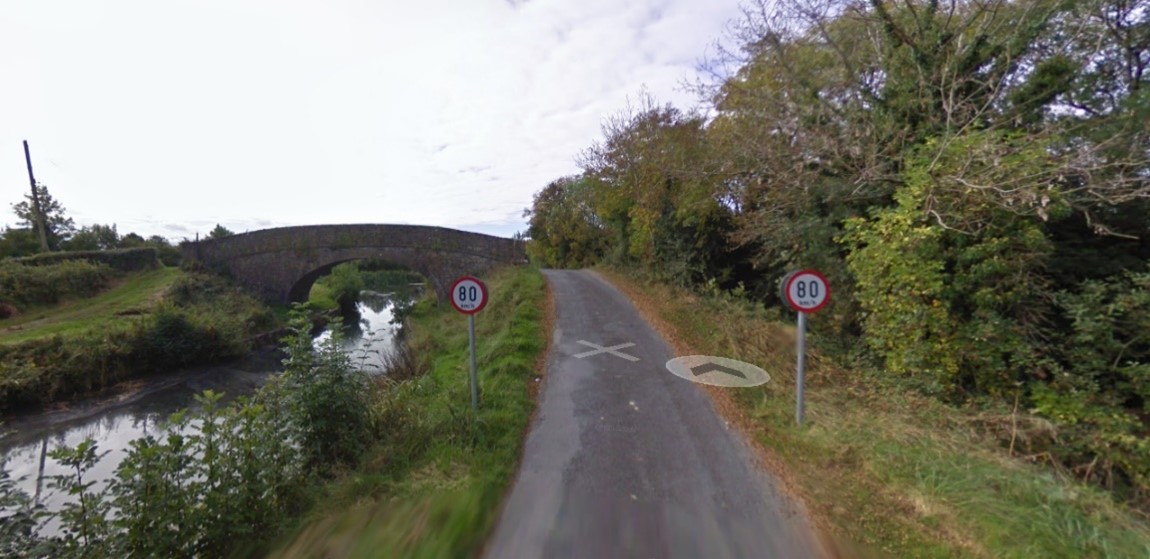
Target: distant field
x,y
126,297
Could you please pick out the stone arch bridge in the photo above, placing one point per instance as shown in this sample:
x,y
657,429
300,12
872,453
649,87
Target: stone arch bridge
x,y
281,264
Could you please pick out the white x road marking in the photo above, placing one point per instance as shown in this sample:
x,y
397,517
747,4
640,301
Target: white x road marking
x,y
600,349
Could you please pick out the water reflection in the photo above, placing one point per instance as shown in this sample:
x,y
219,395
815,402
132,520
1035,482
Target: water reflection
x,y
114,422
369,338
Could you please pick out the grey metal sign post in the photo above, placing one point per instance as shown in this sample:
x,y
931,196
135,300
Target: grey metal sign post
x,y
469,296
474,374
801,348
806,291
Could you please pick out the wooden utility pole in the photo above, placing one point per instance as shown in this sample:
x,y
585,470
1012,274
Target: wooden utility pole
x,y
37,212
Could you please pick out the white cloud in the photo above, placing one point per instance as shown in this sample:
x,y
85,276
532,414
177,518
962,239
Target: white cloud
x,y
168,117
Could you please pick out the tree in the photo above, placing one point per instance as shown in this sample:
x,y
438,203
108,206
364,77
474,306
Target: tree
x,y
58,226
973,176
220,232
94,237
564,229
656,193
15,243
133,240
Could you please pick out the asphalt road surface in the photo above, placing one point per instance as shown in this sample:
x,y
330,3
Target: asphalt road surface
x,y
625,459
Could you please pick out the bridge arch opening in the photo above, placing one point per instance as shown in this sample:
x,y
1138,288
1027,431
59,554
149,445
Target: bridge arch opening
x,y
378,275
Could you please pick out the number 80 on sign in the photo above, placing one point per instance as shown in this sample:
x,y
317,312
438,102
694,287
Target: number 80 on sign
x,y
468,295
806,291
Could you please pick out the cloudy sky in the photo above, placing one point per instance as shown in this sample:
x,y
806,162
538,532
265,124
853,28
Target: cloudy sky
x,y
167,117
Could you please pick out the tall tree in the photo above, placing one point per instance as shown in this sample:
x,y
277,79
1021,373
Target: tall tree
x,y
656,195
564,228
58,226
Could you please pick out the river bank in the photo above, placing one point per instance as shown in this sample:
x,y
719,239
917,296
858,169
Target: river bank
x,y
140,408
240,377
157,320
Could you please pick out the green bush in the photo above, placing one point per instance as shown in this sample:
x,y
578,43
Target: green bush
x,y
222,479
344,284
1098,388
124,259
328,399
23,286
1108,346
953,311
18,519
196,289
171,339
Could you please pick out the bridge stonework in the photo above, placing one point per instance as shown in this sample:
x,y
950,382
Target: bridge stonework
x,y
281,264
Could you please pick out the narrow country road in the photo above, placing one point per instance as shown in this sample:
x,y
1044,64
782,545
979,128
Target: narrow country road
x,y
624,459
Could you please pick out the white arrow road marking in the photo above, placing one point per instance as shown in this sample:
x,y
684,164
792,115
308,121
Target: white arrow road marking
x,y
613,350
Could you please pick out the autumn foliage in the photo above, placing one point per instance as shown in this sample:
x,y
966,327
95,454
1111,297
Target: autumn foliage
x,y
973,176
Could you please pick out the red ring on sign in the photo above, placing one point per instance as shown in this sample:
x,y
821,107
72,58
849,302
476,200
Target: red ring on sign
x,y
482,294
796,275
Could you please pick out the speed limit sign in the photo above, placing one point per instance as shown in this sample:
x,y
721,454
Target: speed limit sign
x,y
468,295
806,291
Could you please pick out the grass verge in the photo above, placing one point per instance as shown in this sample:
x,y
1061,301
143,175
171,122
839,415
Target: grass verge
x,y
131,295
433,485
882,471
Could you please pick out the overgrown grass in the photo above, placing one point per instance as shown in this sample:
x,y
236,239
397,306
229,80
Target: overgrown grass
x,y
432,487
129,296
22,286
883,471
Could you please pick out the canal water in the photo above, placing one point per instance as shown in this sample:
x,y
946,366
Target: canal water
x,y
113,422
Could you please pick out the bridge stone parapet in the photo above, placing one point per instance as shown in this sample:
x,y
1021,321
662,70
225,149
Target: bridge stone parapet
x,y
280,265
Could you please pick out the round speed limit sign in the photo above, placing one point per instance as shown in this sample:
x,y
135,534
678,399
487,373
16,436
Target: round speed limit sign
x,y
806,291
468,295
